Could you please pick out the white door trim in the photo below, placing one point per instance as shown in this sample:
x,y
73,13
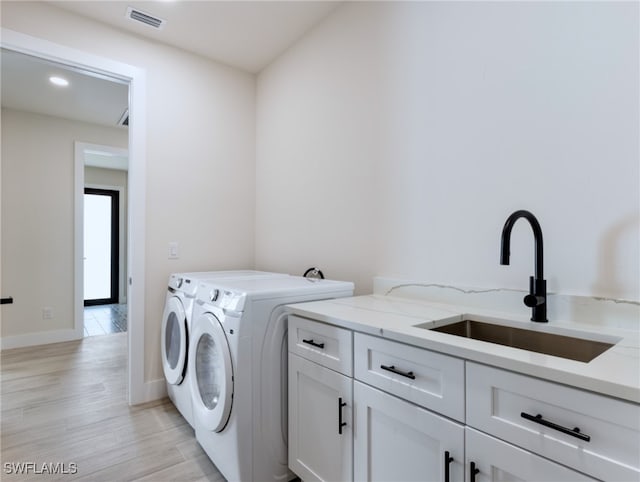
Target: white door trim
x,y
80,149
136,78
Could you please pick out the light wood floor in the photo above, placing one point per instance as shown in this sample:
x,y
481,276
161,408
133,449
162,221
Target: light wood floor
x,y
66,403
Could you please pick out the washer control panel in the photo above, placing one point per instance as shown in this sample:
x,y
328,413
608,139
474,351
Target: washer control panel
x,y
227,300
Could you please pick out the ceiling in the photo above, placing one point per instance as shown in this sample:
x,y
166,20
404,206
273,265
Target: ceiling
x,y
87,98
247,35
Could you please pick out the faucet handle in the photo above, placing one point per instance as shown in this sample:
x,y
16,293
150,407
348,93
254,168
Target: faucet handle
x,y
536,287
532,300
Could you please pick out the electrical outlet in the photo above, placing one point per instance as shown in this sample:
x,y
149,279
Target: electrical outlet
x,y
47,313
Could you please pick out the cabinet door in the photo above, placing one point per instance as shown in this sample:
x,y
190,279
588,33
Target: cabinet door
x,y
496,460
396,441
511,406
320,422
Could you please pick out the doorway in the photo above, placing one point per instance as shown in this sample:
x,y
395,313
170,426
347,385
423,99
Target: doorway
x,y
105,178
136,79
101,246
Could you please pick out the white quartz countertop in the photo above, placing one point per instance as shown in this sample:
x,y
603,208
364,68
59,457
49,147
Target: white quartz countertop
x,y
616,372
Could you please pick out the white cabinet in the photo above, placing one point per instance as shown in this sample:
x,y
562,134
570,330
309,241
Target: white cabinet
x,y
395,440
320,404
326,345
431,380
421,415
591,433
492,460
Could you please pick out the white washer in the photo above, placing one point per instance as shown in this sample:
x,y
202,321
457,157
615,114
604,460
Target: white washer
x,y
176,327
238,367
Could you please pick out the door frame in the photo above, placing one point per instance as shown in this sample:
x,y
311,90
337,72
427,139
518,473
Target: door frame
x,y
139,391
114,255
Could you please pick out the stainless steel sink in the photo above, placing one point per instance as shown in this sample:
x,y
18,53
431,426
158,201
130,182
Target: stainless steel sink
x,y
563,346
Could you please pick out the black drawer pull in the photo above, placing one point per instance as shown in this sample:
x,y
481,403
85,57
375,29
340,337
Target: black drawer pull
x,y
473,471
575,432
393,369
447,461
313,343
6,301
340,422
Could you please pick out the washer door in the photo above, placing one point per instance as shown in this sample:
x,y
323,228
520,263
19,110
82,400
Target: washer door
x,y
174,341
212,373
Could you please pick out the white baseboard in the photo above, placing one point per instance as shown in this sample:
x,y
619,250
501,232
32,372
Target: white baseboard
x,y
152,390
40,338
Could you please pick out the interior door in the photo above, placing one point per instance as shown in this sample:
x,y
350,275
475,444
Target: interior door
x,y
101,252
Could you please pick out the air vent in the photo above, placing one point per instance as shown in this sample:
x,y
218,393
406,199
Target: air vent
x,y
144,17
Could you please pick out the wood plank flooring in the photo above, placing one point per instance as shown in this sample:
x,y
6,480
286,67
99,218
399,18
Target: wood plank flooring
x,y
66,404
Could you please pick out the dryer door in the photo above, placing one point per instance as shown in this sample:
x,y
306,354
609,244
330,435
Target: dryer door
x,y
174,341
212,373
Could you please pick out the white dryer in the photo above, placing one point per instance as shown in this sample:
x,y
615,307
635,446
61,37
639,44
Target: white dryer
x,y
238,367
176,325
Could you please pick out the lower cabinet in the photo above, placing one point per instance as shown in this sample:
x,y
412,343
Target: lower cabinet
x,y
395,440
490,459
343,428
320,422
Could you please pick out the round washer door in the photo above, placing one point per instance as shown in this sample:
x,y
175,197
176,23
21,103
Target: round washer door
x,y
174,341
211,373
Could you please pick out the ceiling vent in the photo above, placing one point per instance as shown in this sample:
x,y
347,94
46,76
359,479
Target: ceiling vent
x,y
146,18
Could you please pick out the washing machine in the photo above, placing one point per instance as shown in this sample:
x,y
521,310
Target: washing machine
x,y
176,325
238,367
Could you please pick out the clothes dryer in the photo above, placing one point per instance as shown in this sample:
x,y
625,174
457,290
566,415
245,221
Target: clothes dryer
x,y
176,325
238,367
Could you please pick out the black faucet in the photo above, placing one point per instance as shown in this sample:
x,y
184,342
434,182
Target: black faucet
x,y
537,297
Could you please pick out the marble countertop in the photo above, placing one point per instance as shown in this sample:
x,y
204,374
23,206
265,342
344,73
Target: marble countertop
x,y
616,372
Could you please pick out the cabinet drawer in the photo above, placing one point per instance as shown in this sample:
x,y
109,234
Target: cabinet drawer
x,y
429,379
502,403
327,345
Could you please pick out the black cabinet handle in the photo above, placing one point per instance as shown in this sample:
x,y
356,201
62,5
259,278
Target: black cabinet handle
x,y
393,369
313,343
473,471
447,460
575,432
340,422
6,301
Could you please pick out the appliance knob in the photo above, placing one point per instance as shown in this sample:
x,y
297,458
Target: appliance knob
x,y
180,281
214,294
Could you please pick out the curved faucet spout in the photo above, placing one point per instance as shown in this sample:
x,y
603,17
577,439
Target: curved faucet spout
x,y
537,234
537,297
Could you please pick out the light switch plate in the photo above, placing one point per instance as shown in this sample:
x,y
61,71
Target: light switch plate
x,y
173,250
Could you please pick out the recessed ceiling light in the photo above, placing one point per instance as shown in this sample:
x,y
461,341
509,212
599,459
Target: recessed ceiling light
x,y
59,81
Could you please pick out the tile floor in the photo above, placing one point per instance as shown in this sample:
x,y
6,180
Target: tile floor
x,y
105,319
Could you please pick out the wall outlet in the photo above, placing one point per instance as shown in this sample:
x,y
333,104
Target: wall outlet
x,y
47,313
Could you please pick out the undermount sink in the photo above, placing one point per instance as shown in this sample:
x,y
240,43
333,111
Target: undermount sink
x,y
564,346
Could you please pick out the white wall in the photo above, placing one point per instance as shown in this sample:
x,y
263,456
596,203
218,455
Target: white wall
x,y
200,152
396,138
37,216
